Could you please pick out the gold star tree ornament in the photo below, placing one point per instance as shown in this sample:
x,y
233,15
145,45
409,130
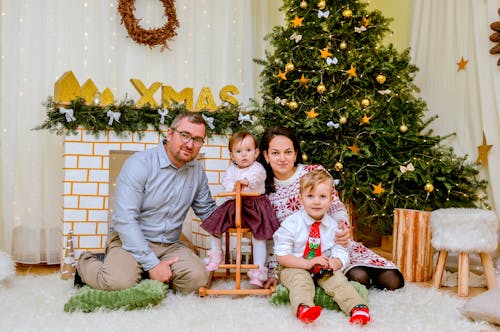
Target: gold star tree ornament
x,y
297,21
312,114
365,120
354,148
483,151
351,72
281,75
303,80
377,189
325,53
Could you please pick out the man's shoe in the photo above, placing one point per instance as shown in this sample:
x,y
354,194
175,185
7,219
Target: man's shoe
x,y
308,314
78,282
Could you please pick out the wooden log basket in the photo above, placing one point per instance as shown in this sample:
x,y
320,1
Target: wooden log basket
x,y
412,249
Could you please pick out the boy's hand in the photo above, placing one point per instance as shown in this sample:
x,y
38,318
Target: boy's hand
x,y
319,260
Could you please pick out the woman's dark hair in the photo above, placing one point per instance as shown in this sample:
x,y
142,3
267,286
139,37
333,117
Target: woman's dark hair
x,y
268,135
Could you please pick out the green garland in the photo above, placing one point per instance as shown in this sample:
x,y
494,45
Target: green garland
x,y
226,119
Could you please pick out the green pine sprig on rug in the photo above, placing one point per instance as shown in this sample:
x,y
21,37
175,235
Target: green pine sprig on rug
x,y
147,293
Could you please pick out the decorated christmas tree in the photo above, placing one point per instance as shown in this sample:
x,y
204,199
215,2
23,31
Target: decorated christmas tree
x,y
354,106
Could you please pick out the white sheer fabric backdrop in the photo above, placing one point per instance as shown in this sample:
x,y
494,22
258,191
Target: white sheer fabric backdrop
x,y
214,46
467,102
41,39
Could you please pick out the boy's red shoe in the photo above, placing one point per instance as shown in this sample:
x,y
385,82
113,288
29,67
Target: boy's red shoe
x,y
360,315
308,314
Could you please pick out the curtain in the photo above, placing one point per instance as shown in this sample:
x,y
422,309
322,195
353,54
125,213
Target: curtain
x,y
41,39
466,101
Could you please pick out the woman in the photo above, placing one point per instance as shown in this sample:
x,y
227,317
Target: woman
x,y
282,159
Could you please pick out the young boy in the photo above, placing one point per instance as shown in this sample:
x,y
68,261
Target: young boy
x,y
304,245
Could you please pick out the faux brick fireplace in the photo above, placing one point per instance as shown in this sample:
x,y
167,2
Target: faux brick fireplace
x,y
86,183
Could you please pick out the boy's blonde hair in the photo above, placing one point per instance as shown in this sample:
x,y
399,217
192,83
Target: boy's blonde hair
x,y
310,180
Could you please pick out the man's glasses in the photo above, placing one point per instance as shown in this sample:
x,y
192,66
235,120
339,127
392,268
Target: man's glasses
x,y
186,137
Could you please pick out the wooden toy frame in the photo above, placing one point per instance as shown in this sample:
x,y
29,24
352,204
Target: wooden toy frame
x,y
237,266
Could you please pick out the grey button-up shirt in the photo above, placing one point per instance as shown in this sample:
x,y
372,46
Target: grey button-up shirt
x,y
152,199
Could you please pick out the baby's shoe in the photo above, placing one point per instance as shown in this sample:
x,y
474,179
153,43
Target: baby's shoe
x,y
213,260
308,314
257,276
360,315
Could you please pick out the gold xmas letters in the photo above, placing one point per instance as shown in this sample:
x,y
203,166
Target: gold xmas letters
x,y
67,88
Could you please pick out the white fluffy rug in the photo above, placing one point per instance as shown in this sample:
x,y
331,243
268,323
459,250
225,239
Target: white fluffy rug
x,y
35,303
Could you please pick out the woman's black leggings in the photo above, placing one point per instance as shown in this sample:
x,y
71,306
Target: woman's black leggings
x,y
374,277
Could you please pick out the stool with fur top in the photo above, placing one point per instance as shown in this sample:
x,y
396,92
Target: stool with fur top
x,y
464,230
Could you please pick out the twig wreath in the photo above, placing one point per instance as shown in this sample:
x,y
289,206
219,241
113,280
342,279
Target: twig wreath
x,y
149,37
495,37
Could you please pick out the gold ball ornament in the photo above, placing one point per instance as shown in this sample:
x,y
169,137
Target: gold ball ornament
x,y
303,4
338,166
429,187
380,78
343,120
289,67
321,88
365,102
321,4
293,105
343,45
304,157
347,13
403,128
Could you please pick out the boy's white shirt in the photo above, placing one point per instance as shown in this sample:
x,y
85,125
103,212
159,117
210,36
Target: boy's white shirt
x,y
291,237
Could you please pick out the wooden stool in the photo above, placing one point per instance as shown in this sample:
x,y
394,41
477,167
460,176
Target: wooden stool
x,y
464,231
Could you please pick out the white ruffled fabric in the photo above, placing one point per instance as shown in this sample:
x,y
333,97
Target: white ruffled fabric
x,y
7,267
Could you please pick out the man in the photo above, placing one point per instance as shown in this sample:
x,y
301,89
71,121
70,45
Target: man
x,y
154,191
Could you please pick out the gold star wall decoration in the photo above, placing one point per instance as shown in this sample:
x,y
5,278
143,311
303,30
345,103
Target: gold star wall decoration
x,y
281,75
377,189
351,72
312,114
325,53
297,21
461,65
483,151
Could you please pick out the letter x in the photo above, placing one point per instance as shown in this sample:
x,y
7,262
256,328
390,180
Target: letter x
x,y
146,94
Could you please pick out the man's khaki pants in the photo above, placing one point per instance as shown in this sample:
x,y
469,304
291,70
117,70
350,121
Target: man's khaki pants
x,y
120,270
